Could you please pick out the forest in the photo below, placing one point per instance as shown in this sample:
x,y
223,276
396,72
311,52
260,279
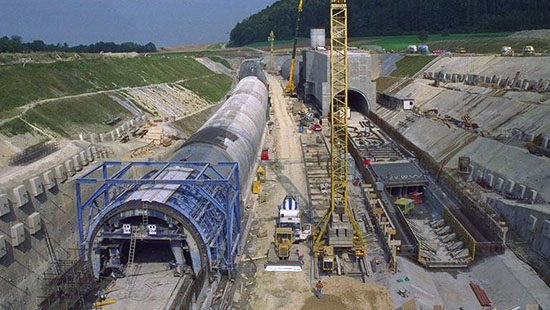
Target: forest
x,y
15,44
396,17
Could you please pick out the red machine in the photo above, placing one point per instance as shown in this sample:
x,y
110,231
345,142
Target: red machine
x,y
416,197
264,155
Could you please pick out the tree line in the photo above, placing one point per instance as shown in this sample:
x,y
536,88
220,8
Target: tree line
x,y
15,44
382,17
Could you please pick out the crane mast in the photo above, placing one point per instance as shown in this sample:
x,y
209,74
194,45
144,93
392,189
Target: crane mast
x,y
339,203
290,87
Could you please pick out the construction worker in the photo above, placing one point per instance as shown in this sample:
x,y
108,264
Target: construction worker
x,y
318,288
300,256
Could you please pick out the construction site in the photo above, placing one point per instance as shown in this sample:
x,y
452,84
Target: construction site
x,y
303,178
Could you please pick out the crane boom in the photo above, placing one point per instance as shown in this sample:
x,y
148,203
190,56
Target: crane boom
x,y
290,87
339,72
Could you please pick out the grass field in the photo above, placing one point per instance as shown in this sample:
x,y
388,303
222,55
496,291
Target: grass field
x,y
72,116
21,85
491,45
212,88
410,65
14,127
221,60
401,42
389,42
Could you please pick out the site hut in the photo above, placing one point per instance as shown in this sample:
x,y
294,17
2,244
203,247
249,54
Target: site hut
x,y
395,102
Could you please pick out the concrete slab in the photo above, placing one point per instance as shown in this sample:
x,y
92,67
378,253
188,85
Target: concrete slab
x,y
152,288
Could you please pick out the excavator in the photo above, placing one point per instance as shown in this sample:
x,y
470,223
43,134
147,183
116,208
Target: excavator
x,y
290,89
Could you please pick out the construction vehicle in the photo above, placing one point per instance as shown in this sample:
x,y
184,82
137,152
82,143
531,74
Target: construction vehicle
x,y
528,50
290,89
340,208
405,204
290,217
507,51
328,259
289,230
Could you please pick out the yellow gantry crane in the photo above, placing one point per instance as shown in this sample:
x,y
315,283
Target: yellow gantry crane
x,y
290,89
339,134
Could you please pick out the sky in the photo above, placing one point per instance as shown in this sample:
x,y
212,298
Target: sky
x,y
163,22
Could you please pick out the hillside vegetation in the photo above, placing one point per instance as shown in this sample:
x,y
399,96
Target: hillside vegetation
x,y
375,18
23,84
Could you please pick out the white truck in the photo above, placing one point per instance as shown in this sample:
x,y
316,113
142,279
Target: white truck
x,y
290,216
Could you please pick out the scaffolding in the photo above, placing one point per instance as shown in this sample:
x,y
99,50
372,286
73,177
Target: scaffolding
x,y
66,290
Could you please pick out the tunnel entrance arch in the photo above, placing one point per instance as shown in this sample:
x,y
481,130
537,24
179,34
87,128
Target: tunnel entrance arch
x,y
358,101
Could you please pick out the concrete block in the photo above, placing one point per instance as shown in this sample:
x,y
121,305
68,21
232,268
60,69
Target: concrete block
x,y
3,248
490,179
94,151
525,85
546,86
545,141
534,194
48,180
17,234
20,195
89,154
33,223
118,131
60,173
69,167
94,138
511,187
4,205
531,223
113,136
83,158
500,182
36,187
82,137
479,175
132,123
488,79
519,83
523,189
546,229
102,137
76,162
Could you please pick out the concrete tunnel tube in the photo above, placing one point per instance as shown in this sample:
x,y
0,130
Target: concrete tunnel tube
x,y
358,101
233,135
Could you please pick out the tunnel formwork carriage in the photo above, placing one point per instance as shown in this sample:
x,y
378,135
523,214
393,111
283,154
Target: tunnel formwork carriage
x,y
193,208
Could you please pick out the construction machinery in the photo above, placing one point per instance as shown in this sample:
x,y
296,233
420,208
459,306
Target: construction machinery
x,y
284,238
290,89
288,231
340,211
528,50
290,217
507,51
405,204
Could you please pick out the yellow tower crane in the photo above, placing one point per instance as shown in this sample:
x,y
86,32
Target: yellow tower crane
x,y
290,89
339,135
271,40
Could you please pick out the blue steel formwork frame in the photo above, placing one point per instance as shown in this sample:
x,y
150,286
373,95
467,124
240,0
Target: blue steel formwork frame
x,y
207,179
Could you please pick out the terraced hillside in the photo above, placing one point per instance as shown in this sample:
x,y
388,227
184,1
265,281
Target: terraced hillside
x,y
44,101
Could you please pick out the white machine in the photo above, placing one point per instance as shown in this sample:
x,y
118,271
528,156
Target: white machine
x,y
289,216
